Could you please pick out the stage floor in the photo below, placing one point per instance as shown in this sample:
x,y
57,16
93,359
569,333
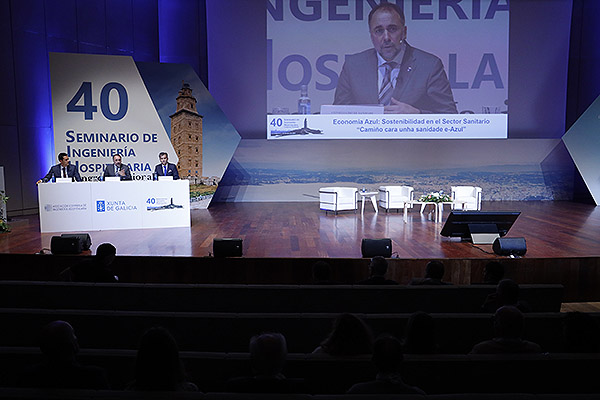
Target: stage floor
x,y
551,229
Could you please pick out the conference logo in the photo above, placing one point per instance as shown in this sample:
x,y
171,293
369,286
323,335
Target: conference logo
x,y
66,207
114,206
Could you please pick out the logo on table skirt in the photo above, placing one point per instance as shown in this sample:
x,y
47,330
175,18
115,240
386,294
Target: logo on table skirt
x,y
114,206
66,207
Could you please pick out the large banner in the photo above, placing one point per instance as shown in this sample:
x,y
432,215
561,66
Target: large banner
x,y
107,105
309,42
100,107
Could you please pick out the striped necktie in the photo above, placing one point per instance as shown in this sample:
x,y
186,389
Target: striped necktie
x,y
385,94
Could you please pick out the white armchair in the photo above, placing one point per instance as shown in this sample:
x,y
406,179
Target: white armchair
x,y
395,197
466,197
338,199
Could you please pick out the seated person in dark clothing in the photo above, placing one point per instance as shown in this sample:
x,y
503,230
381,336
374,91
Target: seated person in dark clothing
x,y
350,336
582,333
493,272
378,268
420,334
158,366
268,352
508,327
94,269
507,294
434,272
322,273
60,368
387,357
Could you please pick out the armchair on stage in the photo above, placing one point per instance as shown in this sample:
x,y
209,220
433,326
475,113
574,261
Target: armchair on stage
x,y
391,197
338,199
466,197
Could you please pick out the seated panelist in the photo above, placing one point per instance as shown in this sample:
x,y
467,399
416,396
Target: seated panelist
x,y
165,168
117,168
64,169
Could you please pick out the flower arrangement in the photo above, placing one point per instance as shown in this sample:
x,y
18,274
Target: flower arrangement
x,y
4,227
435,197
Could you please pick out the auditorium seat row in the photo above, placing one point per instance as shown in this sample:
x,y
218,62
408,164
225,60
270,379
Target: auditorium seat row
x,y
64,394
558,373
455,333
265,298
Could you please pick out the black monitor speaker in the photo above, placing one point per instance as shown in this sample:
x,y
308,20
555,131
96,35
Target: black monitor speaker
x,y
227,247
376,247
65,245
510,246
480,227
86,240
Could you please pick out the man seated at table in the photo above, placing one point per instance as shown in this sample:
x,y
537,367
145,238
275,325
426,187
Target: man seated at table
x,y
165,168
63,169
117,168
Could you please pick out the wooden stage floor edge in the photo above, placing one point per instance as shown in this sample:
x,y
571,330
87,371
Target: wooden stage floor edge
x,y
291,230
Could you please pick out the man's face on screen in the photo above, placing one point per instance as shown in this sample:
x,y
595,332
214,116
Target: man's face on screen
x,y
387,33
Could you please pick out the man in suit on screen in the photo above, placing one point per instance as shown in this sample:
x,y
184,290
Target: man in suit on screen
x,y
165,168
63,169
405,80
117,168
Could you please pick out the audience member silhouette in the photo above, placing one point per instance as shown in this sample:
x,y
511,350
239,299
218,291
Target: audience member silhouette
x,y
434,273
420,334
59,368
94,269
158,366
322,273
349,336
507,294
582,333
508,328
493,272
378,268
387,357
268,352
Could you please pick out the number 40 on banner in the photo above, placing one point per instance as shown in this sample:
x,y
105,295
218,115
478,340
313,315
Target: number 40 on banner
x,y
88,109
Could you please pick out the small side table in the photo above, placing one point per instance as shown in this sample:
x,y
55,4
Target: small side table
x,y
436,209
441,208
363,198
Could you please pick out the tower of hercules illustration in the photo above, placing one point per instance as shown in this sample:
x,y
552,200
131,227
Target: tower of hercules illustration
x,y
186,135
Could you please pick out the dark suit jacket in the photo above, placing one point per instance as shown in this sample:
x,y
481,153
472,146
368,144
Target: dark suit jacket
x,y
109,170
56,170
421,82
171,170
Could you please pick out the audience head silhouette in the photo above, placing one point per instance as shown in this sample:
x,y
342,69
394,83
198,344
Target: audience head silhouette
x,y
508,327
508,322
378,266
507,292
387,357
268,352
493,272
157,366
420,334
321,272
58,342
387,354
349,336
434,270
106,253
